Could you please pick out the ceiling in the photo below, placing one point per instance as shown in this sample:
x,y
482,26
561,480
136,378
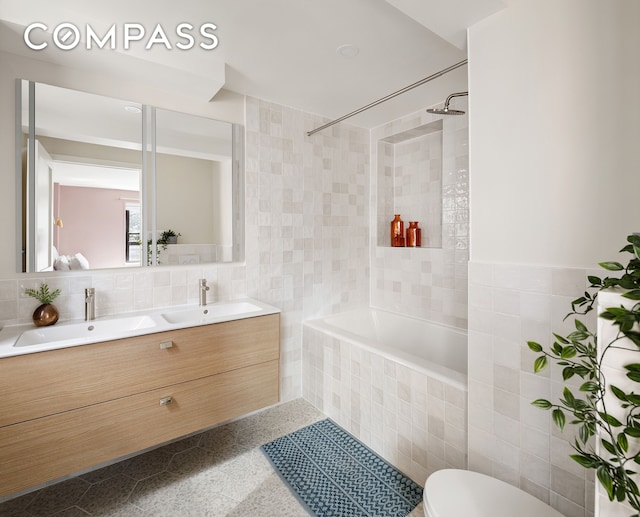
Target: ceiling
x,y
284,51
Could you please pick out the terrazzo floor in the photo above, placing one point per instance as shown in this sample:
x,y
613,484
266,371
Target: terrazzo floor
x,y
220,472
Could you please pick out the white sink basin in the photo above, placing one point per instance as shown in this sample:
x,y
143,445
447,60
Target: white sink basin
x,y
93,330
20,340
210,312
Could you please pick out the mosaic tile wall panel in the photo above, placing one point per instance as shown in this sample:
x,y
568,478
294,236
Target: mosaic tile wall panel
x,y
422,282
416,422
508,437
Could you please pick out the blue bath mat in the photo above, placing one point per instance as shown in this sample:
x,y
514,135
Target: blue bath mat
x,y
335,475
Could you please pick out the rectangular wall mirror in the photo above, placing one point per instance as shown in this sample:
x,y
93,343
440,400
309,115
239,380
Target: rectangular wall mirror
x,y
108,183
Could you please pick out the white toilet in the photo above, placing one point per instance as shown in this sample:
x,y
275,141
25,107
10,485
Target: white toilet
x,y
455,493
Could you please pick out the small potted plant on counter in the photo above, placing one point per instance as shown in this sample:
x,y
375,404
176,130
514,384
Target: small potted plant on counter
x,y
168,237
46,313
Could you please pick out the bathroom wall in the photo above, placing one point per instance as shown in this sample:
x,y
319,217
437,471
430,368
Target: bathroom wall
x,y
429,283
510,304
553,192
307,217
186,189
306,221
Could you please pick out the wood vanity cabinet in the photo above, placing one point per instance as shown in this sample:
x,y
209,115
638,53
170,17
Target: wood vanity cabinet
x,y
67,410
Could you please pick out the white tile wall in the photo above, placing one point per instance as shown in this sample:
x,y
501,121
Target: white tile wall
x,y
416,422
307,221
424,282
508,437
410,184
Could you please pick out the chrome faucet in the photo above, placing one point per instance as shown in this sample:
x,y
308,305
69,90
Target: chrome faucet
x,y
203,291
90,304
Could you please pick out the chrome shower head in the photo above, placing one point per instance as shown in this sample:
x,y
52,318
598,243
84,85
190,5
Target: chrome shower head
x,y
446,110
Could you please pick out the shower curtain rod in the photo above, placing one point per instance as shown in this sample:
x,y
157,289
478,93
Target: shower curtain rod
x,y
390,96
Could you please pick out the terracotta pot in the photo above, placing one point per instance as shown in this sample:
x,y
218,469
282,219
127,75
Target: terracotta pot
x,y
45,314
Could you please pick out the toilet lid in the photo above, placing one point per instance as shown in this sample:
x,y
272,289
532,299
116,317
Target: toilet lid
x,y
452,493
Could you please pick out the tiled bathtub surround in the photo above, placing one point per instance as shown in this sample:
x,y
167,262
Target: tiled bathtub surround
x,y
422,282
508,437
307,238
415,421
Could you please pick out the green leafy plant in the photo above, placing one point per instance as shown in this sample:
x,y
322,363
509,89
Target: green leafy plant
x,y
618,460
43,295
159,246
164,236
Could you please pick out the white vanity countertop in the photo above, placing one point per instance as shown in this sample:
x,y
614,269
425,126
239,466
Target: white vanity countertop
x,y
28,339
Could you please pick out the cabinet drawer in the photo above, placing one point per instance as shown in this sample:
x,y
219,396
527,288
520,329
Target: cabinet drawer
x,y
48,448
46,383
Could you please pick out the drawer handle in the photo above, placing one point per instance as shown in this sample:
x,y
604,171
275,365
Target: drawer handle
x,y
166,344
166,401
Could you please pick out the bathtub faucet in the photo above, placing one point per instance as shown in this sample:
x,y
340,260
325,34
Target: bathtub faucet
x,y
203,292
90,304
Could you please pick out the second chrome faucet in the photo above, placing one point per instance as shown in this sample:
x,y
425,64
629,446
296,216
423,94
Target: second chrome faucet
x,y
203,292
90,304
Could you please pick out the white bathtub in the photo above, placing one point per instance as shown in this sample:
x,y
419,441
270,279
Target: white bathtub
x,y
438,350
397,383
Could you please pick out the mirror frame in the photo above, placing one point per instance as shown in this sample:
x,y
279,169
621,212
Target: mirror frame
x,y
25,171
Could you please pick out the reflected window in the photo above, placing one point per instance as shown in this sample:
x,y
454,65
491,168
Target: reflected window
x,y
133,241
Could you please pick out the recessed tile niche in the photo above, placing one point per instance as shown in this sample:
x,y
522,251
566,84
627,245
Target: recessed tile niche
x,y
410,182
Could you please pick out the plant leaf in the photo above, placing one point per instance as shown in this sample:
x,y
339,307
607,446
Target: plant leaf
x,y
594,280
633,336
578,336
581,326
540,364
616,312
590,386
542,403
609,446
611,266
605,480
584,433
568,396
586,461
633,295
610,419
558,418
619,393
623,442
534,347
561,339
